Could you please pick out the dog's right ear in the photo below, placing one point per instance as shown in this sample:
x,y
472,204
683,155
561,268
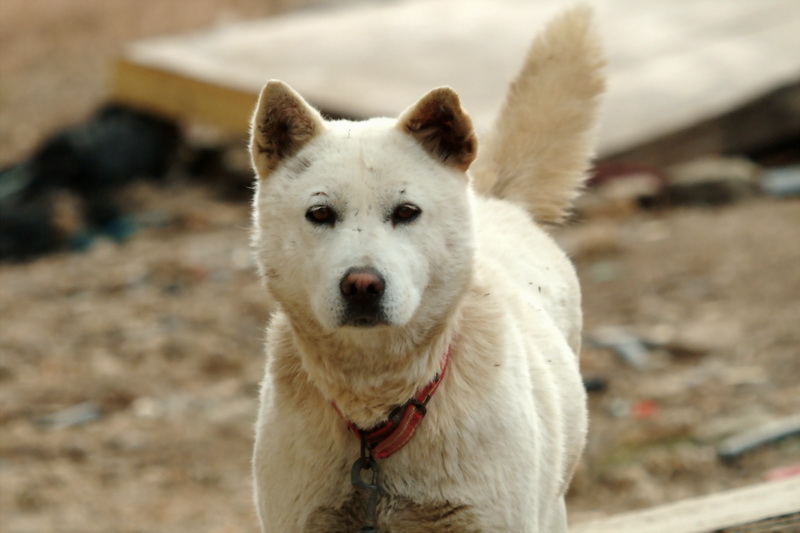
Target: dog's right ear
x,y
282,124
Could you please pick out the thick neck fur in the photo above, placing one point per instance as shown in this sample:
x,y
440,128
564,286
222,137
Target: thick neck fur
x,y
369,372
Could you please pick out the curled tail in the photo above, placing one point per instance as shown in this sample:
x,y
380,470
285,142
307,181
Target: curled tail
x,y
542,141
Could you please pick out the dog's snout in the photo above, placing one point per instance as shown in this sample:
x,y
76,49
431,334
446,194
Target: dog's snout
x,y
362,284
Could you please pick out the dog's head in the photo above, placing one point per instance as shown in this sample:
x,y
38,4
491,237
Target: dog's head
x,y
363,224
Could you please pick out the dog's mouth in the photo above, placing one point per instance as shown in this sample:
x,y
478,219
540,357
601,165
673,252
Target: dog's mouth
x,y
365,321
364,316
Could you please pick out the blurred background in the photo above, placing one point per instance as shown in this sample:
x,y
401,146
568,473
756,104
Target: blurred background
x,y
132,320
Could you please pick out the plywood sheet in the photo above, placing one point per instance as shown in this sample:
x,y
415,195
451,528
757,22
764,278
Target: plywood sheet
x,y
672,64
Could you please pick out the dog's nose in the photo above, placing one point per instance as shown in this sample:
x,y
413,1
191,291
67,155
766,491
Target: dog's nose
x,y
362,285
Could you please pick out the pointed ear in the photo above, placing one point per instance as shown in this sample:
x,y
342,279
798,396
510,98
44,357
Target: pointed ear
x,y
443,129
282,124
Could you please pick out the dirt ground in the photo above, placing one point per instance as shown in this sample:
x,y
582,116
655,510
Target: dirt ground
x,y
128,373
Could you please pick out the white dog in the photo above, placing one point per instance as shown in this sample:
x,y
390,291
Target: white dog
x,y
422,370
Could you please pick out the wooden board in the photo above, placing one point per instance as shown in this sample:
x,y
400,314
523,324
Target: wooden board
x,y
767,507
673,65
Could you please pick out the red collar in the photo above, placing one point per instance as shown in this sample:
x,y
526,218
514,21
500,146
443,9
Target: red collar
x,y
391,435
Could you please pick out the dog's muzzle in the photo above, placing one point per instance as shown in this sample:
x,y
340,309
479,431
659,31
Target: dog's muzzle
x,y
362,290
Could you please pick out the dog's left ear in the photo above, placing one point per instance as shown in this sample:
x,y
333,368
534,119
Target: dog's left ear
x,y
442,128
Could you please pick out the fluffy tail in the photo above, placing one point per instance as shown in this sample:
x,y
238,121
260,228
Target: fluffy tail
x,y
542,141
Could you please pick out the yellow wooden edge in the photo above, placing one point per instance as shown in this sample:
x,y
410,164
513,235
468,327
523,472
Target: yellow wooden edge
x,y
180,97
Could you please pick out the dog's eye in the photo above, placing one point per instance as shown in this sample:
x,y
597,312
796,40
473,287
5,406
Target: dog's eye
x,y
321,215
405,213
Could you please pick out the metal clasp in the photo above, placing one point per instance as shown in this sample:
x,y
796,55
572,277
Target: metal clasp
x,y
371,490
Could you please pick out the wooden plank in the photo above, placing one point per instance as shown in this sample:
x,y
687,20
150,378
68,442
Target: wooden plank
x,y
715,96
172,95
764,120
766,507
673,65
368,60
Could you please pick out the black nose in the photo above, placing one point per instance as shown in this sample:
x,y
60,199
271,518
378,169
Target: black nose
x,y
362,290
362,285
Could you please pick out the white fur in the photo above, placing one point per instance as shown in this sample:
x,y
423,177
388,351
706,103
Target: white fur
x,y
506,427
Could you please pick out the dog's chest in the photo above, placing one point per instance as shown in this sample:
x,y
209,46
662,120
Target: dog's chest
x,y
395,515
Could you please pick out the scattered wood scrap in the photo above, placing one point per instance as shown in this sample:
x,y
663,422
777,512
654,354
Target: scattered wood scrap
x,y
741,443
